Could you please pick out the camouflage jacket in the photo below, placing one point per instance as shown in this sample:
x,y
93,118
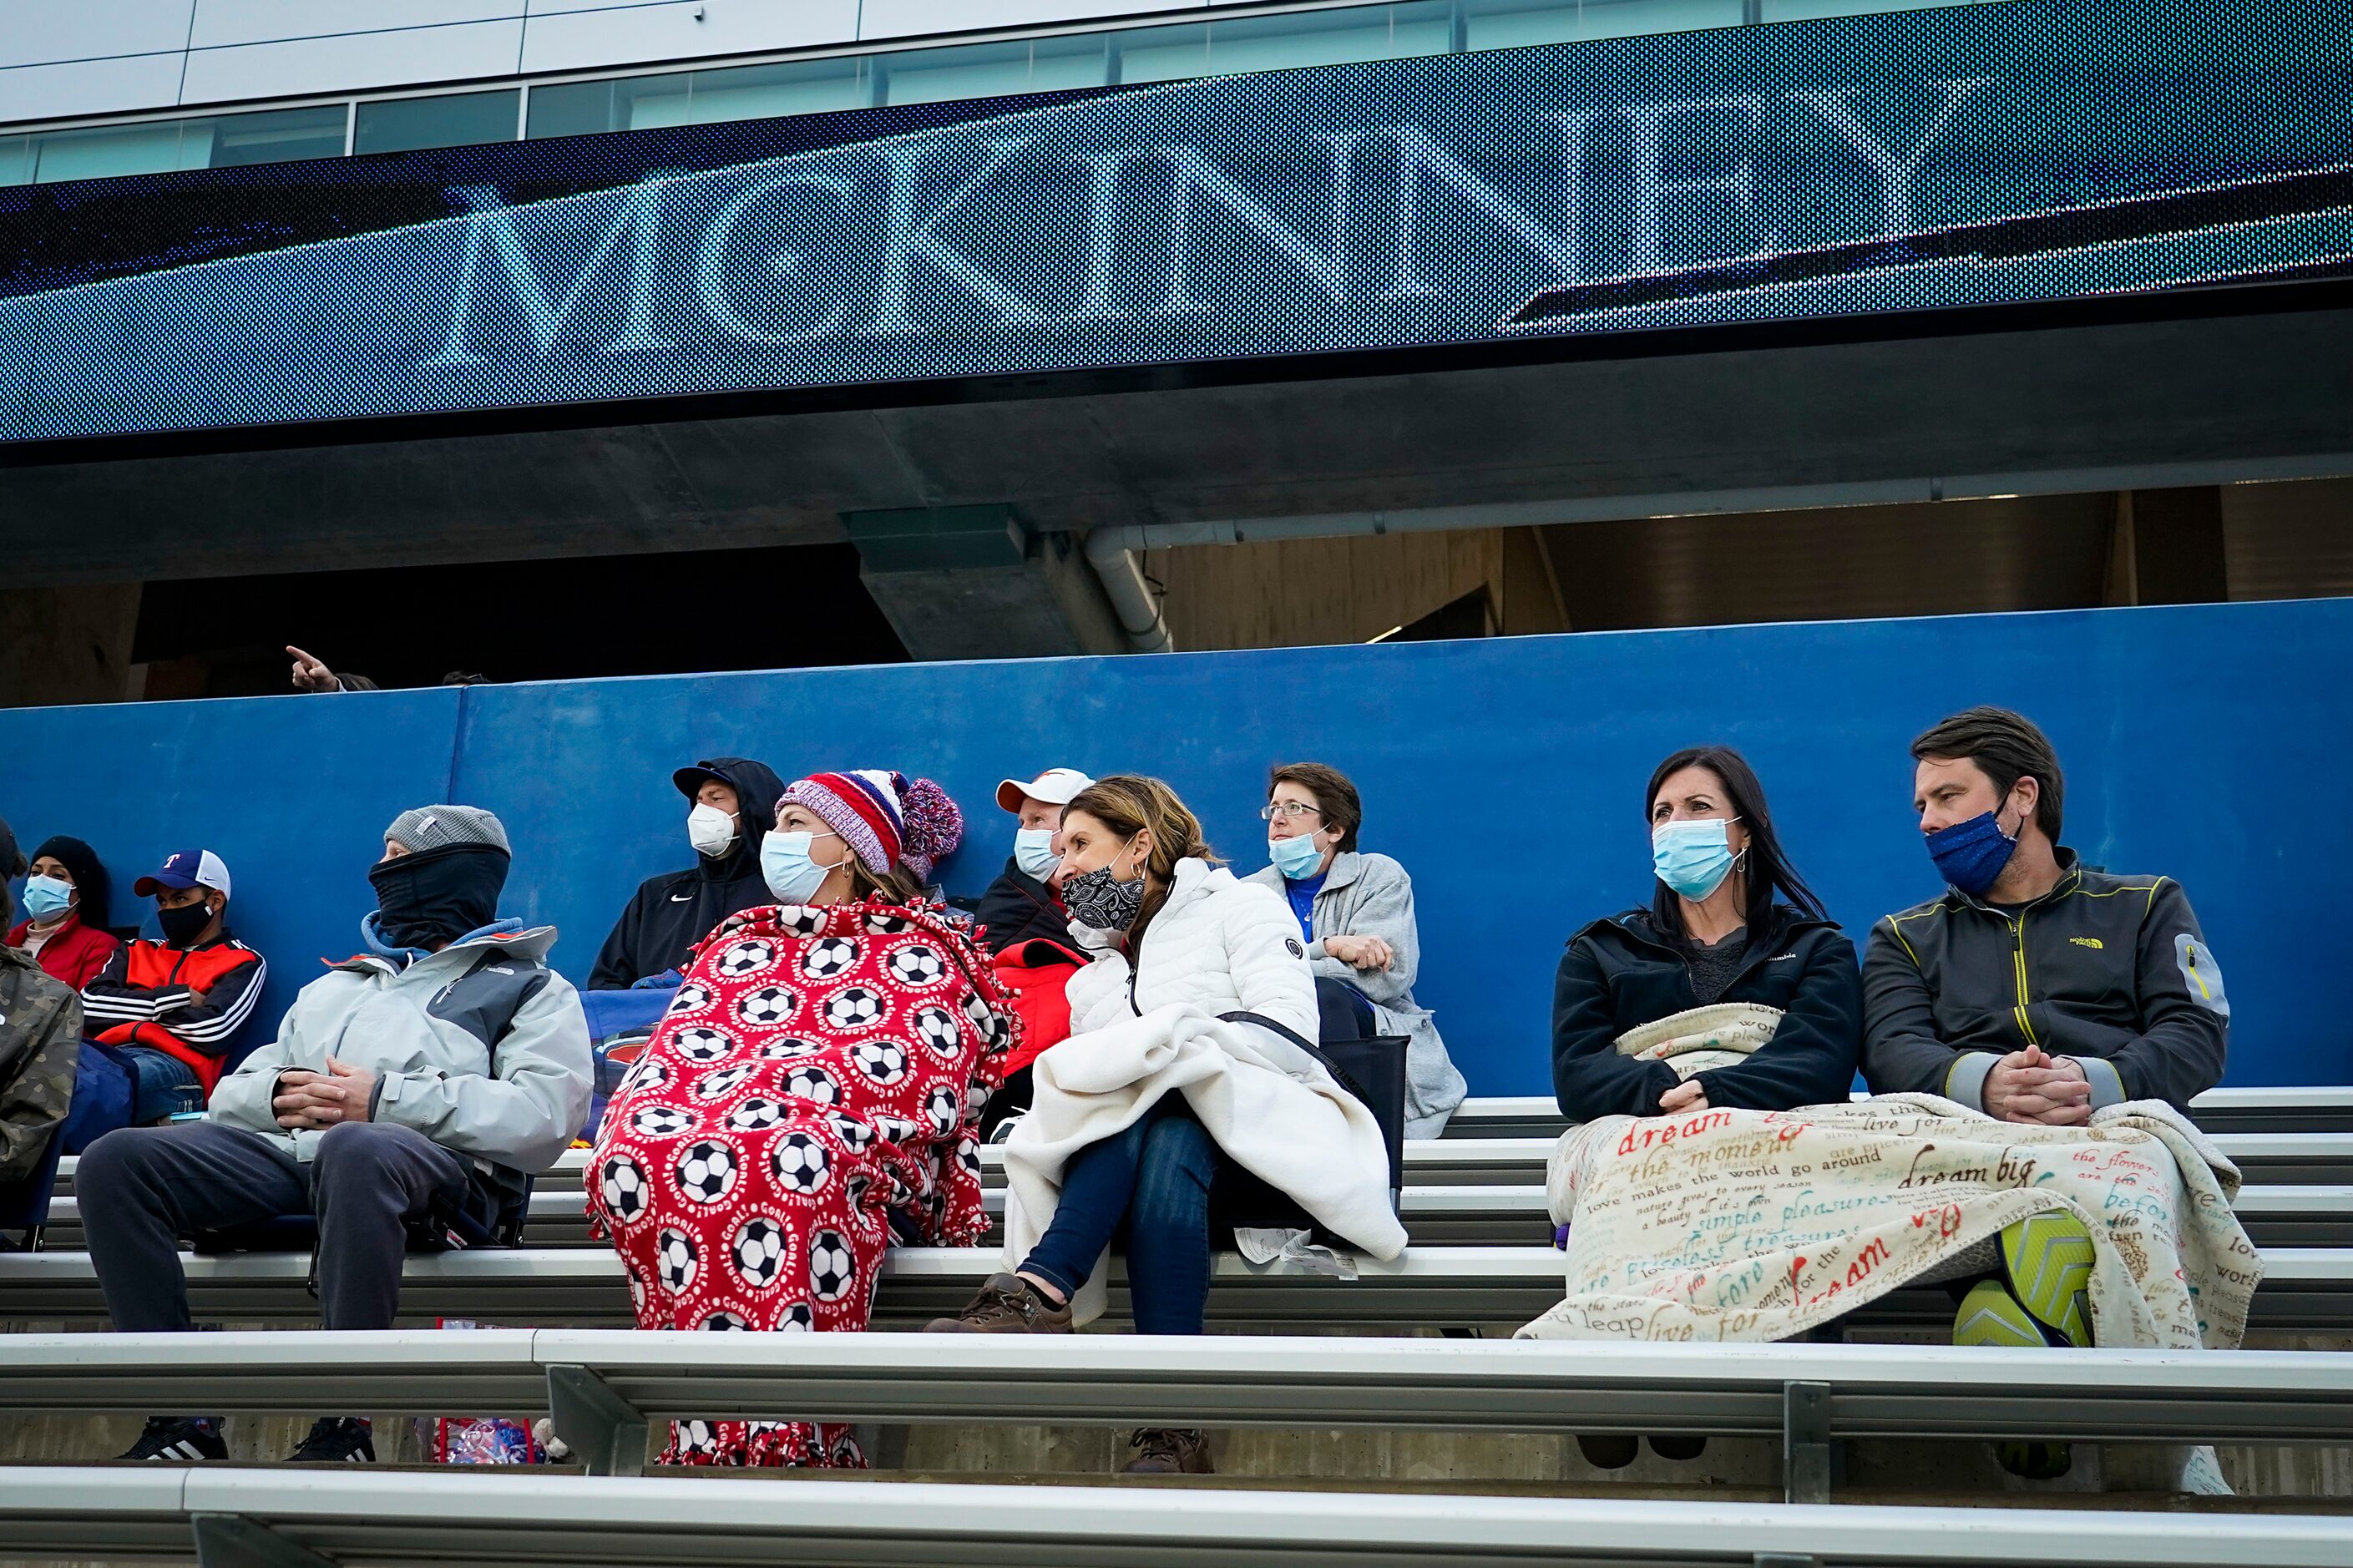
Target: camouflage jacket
x,y
40,1042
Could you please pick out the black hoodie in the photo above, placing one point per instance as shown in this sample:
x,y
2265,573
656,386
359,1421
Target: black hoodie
x,y
670,914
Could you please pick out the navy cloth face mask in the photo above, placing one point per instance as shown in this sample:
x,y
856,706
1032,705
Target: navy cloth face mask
x,y
1971,854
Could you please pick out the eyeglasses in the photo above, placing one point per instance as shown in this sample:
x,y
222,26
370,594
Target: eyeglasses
x,y
1289,810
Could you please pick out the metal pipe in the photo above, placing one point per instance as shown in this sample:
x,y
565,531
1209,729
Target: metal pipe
x,y
1131,596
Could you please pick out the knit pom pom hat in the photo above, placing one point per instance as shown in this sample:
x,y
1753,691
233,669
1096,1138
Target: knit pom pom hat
x,y
886,818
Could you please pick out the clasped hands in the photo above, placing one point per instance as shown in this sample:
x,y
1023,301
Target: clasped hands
x,y
308,1101
2032,1085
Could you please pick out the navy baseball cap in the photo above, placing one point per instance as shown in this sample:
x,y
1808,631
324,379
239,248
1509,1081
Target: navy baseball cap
x,y
186,868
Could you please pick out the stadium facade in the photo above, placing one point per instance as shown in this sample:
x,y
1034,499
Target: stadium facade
x,y
1010,329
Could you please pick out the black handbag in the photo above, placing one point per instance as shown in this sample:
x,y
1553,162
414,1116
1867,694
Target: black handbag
x,y
1373,1071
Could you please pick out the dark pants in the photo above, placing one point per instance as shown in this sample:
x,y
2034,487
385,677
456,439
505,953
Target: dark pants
x,y
1155,1185
143,1188
1343,1012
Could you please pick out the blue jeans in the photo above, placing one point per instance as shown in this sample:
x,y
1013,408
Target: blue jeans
x,y
1154,1186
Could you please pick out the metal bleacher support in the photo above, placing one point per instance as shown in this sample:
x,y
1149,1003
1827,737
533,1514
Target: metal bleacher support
x,y
606,1387
246,1518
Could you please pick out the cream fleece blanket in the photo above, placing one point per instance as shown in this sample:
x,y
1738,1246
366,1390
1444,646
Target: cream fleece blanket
x,y
1720,1036
1754,1225
1267,1103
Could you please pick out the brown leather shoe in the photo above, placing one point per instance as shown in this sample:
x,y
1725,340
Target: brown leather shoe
x,y
1169,1451
1008,1304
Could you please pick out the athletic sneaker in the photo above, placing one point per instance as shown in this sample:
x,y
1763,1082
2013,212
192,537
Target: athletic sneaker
x,y
178,1439
2046,1260
336,1440
2039,1301
1168,1451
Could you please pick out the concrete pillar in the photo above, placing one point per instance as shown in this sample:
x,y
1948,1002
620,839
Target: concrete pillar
x,y
69,643
2168,548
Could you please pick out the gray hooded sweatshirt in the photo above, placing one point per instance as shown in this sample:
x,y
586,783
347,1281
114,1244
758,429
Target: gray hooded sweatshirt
x,y
1370,895
480,1046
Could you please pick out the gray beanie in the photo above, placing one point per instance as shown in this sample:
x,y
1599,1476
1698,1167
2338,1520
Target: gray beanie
x,y
439,826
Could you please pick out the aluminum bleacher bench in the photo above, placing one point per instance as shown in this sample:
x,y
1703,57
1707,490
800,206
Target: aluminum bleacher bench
x,y
2304,1289
2322,1109
235,1517
1474,1215
2319,1159
605,1389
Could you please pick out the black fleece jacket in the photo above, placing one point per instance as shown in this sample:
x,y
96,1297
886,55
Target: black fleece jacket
x,y
1622,972
671,912
1017,908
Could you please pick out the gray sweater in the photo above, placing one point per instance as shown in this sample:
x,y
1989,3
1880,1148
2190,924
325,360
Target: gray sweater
x,y
1370,895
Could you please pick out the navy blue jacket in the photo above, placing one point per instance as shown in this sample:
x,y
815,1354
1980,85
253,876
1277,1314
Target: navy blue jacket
x,y
1622,972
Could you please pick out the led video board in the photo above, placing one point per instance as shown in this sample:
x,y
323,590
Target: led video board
x,y
2029,150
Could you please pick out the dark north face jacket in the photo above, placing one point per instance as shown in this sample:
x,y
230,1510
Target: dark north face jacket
x,y
1624,973
2110,971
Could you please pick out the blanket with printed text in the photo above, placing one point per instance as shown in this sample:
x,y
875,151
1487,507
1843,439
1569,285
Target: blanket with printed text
x,y
1754,1225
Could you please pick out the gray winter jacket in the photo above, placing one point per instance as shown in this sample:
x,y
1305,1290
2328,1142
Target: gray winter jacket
x,y
480,1046
1370,895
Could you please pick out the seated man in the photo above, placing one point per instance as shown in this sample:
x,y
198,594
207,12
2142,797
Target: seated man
x,y
2032,989
425,1080
1022,902
734,802
171,1009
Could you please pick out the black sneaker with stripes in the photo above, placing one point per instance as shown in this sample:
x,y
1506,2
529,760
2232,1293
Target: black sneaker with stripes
x,y
178,1439
336,1440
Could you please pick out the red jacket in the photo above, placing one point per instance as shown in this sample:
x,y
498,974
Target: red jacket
x,y
74,953
1036,972
145,996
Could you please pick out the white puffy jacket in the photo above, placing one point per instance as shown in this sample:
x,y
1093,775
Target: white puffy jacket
x,y
1221,943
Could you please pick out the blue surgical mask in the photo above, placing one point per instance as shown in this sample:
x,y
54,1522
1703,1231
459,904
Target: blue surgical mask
x,y
46,898
1295,857
1693,857
1033,853
1971,854
786,866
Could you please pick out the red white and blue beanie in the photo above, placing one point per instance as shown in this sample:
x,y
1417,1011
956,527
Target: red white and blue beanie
x,y
886,818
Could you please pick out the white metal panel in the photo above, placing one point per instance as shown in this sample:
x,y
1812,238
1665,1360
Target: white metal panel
x,y
36,31
915,18
687,29
223,22
353,61
77,87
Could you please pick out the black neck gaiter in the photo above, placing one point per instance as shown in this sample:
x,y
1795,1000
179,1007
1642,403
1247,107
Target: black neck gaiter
x,y
433,899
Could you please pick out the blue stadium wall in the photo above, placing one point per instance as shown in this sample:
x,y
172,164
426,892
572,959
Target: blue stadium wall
x,y
2208,743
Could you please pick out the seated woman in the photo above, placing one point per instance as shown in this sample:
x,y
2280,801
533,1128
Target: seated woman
x,y
1179,1104
66,892
808,1097
1729,922
1356,912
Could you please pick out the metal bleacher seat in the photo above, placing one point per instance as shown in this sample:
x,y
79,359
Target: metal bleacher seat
x,y
1474,1206
236,1516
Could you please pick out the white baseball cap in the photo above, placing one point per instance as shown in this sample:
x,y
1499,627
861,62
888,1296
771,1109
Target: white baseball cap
x,y
1055,786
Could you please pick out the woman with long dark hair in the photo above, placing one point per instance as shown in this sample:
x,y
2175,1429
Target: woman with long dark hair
x,y
1730,922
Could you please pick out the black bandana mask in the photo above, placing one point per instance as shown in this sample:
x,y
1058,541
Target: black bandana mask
x,y
433,899
1098,899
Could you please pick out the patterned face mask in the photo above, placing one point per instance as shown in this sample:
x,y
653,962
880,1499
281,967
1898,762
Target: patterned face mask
x,y
1099,900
